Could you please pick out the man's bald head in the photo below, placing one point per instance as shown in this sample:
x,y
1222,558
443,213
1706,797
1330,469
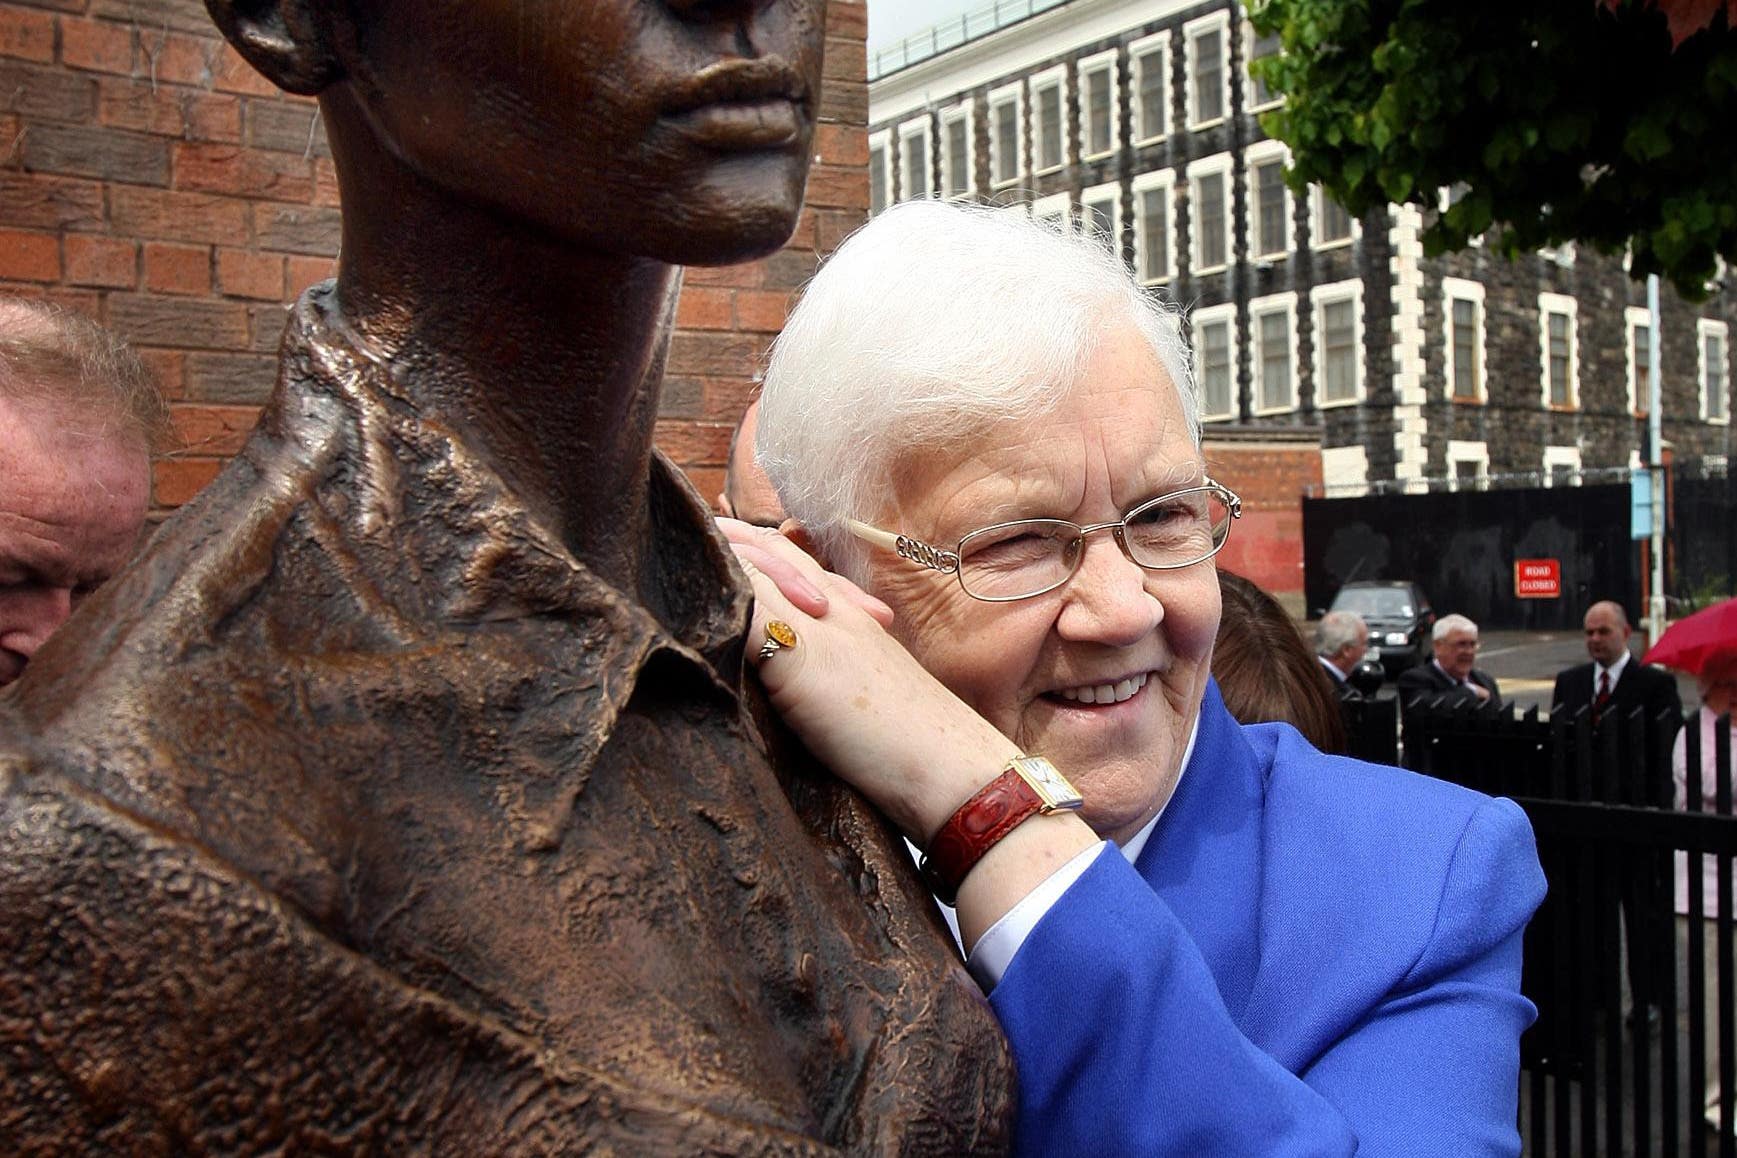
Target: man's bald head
x,y
1607,632
748,493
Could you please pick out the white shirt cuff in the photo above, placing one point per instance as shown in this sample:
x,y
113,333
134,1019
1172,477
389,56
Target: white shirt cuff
x,y
994,951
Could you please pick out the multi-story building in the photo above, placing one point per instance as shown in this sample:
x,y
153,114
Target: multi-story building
x,y
1138,118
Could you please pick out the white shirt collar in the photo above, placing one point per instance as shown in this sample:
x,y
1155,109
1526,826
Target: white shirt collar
x,y
1614,669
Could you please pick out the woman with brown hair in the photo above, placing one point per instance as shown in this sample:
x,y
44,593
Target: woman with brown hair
x,y
1266,671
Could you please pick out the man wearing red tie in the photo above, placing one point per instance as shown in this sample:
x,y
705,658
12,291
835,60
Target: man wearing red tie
x,y
1614,681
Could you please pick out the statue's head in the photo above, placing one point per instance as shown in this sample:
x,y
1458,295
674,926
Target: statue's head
x,y
674,129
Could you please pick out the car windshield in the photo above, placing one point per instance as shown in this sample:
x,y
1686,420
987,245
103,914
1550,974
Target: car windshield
x,y
1381,602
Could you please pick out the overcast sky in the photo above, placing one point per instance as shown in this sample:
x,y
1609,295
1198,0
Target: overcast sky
x,y
891,20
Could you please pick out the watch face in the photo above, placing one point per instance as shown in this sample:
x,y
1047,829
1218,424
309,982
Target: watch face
x,y
1050,785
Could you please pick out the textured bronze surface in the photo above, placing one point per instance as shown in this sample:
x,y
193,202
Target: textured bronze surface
x,y
405,796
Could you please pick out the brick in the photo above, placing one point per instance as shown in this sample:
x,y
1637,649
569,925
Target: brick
x,y
101,261
708,480
185,323
844,101
174,58
747,275
170,111
104,153
845,62
298,229
681,398
29,256
169,367
838,144
184,15
326,190
245,274
177,269
175,481
240,172
789,269
27,35
79,301
837,187
832,226
690,443
693,352
701,308
159,214
217,430
96,45
230,378
302,272
726,398
265,326
48,93
233,74
762,310
38,201
286,125
846,20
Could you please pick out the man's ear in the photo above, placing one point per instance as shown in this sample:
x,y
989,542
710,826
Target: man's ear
x,y
289,41
798,534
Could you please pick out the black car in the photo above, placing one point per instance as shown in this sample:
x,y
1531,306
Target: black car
x,y
1399,619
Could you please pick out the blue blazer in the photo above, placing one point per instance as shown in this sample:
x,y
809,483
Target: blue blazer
x,y
1313,956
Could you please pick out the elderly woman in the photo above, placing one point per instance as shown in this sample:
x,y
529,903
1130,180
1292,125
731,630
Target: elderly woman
x,y
1226,942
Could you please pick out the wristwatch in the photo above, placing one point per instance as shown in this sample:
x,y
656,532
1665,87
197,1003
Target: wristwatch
x,y
1028,786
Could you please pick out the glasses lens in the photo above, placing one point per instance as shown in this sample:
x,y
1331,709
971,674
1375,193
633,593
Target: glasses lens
x,y
1013,560
1177,530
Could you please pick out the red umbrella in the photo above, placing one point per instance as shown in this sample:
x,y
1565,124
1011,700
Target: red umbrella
x,y
1689,643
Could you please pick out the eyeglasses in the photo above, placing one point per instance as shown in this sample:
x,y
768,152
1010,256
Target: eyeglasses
x,y
1030,557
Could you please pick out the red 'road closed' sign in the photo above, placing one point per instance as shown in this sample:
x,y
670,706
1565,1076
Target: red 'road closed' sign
x,y
1538,578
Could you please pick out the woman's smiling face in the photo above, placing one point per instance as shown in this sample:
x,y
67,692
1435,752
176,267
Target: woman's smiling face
x,y
1104,675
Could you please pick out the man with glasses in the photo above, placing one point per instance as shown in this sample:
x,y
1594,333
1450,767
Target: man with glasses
x,y
1200,937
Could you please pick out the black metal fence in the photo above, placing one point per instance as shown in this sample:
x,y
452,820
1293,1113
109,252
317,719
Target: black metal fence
x,y
1634,985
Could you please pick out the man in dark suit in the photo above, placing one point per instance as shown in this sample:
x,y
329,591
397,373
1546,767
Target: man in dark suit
x,y
1450,678
1341,639
1612,686
1614,681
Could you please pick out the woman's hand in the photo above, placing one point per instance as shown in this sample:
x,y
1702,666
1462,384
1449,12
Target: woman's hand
x,y
856,697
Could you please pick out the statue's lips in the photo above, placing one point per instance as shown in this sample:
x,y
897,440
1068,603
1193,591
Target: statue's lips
x,y
741,124
754,103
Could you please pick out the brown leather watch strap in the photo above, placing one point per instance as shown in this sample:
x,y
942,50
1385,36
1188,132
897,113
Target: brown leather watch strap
x,y
997,809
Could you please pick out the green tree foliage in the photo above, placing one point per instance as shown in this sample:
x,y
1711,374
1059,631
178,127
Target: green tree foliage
x,y
1556,121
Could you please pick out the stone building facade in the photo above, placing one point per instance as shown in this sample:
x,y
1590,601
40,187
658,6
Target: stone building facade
x,y
1138,118
152,180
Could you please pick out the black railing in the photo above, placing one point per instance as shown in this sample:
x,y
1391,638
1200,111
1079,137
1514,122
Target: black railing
x,y
1618,1061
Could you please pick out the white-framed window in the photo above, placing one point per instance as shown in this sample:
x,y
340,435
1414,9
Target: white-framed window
x,y
1049,126
1562,466
1006,135
1209,214
1713,339
880,170
1559,350
1269,201
1154,226
1330,223
1101,214
915,179
1272,325
1468,465
1638,332
1338,309
1100,97
1208,69
1257,96
1055,211
958,144
1215,361
1149,66
1463,334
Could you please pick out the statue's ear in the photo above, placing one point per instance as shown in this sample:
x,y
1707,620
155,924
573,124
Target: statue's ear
x,y
289,41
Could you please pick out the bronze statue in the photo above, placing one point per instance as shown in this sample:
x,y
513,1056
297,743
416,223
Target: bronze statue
x,y
402,796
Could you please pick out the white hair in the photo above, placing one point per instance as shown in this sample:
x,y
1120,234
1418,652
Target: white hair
x,y
931,324
1451,623
1338,630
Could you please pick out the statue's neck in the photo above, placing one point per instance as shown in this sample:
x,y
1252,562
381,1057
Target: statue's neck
x,y
547,357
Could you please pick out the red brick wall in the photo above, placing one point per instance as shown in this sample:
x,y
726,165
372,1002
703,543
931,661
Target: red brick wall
x,y
151,179
1266,544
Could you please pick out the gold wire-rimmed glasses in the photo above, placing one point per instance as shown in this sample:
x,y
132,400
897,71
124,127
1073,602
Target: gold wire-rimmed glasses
x,y
1025,558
